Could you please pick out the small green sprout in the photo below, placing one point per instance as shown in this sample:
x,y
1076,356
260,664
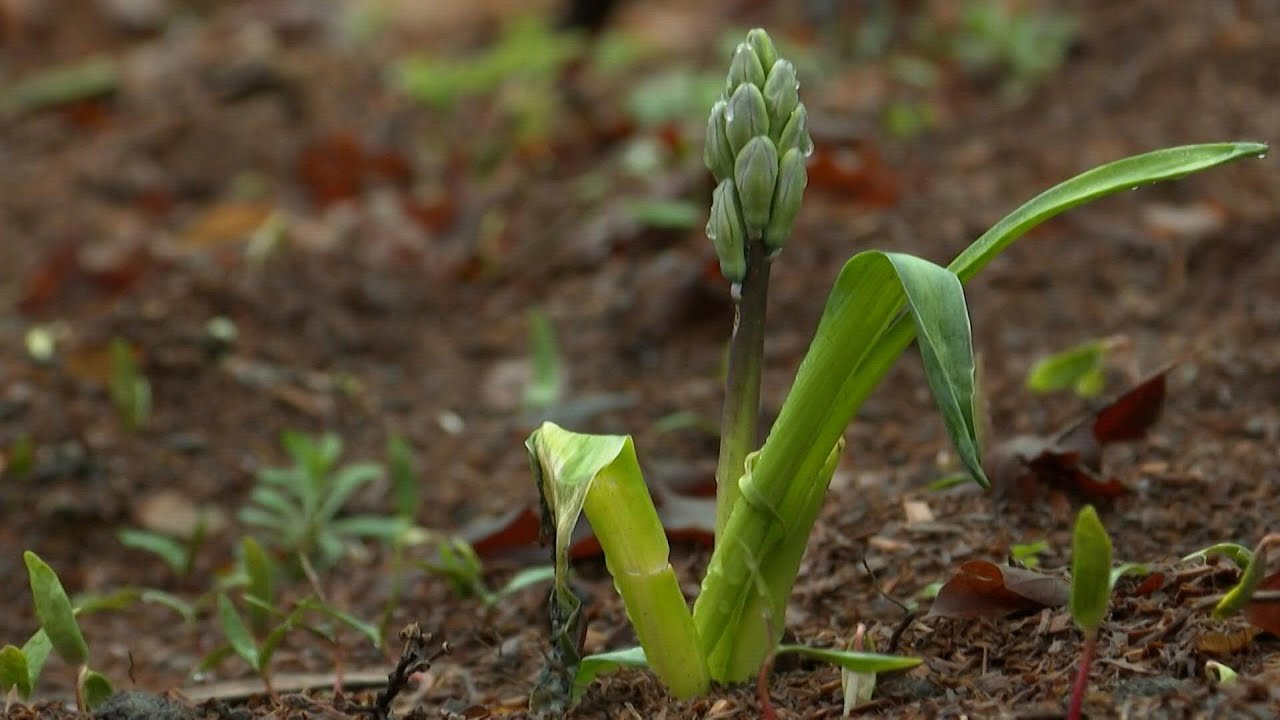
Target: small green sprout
x,y
547,383
769,496
1080,369
1028,554
1252,572
59,632
1220,673
297,508
460,566
130,389
1090,593
258,649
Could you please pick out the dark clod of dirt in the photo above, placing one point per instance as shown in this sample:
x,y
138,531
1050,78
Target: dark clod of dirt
x,y
136,705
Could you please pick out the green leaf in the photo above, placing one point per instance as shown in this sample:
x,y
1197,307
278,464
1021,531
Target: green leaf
x,y
593,666
1123,569
172,552
345,482
1127,174
1246,586
274,502
1090,570
36,650
1069,368
546,386
14,672
1238,554
366,629
1028,553
54,610
260,571
859,662
600,475
527,577
380,527
237,633
272,641
95,689
406,488
665,214
214,658
173,602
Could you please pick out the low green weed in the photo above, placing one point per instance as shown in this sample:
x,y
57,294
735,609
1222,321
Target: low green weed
x,y
297,509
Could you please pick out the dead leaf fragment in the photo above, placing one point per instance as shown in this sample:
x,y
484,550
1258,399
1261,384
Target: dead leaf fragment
x,y
1264,614
984,589
1070,460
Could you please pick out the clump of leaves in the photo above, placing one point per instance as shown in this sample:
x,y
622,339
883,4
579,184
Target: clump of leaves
x,y
130,389
297,509
1091,581
59,632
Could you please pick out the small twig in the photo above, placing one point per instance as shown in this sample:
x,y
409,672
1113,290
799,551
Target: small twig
x,y
908,616
415,658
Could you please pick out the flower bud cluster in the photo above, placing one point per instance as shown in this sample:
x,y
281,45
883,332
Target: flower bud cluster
x,y
756,145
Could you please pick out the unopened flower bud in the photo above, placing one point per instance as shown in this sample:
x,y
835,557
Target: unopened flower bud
x,y
795,134
781,95
745,117
792,179
716,152
724,229
763,45
745,68
756,172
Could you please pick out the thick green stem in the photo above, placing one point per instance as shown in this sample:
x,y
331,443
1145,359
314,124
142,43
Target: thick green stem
x,y
636,552
740,417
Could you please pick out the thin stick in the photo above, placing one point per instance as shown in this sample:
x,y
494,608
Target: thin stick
x,y
739,420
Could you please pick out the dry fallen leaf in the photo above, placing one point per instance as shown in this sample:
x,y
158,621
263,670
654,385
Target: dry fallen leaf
x,y
1265,613
1070,460
984,589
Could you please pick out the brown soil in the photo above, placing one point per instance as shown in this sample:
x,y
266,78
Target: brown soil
x,y
387,311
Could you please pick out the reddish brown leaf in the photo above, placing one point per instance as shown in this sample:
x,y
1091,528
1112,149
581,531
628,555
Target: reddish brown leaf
x,y
1264,614
47,281
332,168
983,589
1070,460
1130,416
855,173
1152,583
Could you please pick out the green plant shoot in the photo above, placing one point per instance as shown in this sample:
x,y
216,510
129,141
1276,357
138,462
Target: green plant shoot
x,y
1091,581
768,499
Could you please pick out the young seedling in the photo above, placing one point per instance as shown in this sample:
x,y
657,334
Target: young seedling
x,y
1080,369
768,500
256,641
460,566
59,632
130,389
297,508
1090,594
